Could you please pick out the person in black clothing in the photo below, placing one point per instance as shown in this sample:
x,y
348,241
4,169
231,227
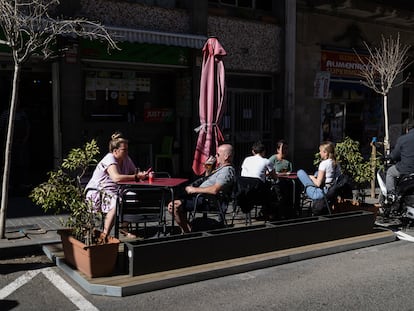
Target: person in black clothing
x,y
403,155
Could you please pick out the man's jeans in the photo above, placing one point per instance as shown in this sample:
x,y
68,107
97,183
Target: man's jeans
x,y
392,174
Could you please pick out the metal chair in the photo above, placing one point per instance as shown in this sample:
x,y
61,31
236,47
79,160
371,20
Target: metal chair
x,y
326,205
143,205
98,216
251,194
208,204
339,187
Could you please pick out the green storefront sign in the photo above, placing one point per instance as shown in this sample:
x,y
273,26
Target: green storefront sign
x,y
136,52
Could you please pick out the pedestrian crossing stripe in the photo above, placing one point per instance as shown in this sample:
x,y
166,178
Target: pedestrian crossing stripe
x,y
74,296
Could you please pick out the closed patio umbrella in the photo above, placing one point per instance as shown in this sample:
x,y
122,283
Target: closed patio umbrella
x,y
211,103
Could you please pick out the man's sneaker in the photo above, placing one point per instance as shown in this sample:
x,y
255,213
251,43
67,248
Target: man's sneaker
x,y
391,197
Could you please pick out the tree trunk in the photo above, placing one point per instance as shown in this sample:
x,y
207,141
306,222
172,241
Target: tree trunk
x,y
373,167
386,138
8,150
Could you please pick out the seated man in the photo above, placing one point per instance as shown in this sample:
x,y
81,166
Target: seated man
x,y
253,187
403,155
256,165
221,180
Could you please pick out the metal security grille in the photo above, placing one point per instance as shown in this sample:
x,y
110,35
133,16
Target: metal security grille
x,y
246,120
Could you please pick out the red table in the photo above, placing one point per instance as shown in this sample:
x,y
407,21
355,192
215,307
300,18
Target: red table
x,y
157,182
166,183
291,175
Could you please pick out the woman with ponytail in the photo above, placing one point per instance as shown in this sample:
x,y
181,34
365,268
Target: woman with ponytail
x,y
116,166
328,170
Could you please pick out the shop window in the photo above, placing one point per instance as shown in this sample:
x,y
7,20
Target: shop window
x,y
129,96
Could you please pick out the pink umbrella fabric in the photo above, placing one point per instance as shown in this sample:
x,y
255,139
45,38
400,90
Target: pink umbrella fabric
x,y
211,103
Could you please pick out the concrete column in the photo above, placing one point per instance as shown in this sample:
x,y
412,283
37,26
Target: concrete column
x,y
290,65
57,133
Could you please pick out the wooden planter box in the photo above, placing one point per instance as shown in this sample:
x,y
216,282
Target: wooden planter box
x,y
167,253
94,260
351,205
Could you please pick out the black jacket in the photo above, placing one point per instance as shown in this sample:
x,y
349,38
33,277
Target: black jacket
x,y
403,153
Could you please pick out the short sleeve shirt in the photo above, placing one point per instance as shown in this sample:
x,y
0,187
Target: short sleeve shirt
x,y
101,180
330,170
281,165
256,167
224,176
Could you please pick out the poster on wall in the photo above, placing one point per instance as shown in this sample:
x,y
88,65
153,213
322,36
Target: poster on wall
x,y
333,121
321,85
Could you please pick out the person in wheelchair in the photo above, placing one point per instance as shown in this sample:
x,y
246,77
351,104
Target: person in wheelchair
x,y
220,181
403,156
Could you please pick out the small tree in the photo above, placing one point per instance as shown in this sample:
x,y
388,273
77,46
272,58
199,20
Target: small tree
x,y
380,70
62,192
29,29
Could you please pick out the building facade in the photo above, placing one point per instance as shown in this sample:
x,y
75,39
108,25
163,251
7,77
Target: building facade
x,y
278,54
330,34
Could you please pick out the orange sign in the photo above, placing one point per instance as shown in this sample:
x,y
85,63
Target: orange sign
x,y
341,64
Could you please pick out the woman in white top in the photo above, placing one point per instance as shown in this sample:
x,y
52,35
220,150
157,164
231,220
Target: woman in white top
x,y
328,170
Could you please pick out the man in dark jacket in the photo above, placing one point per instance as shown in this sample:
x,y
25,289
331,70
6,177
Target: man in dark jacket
x,y
403,155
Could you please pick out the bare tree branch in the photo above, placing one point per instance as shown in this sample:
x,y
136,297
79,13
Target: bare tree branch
x,y
29,29
380,70
384,64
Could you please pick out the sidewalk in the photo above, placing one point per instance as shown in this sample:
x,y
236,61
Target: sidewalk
x,y
28,228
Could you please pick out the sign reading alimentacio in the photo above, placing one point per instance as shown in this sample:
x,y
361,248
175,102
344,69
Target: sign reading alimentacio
x,y
341,64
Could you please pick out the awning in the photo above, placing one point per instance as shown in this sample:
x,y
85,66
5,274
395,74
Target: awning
x,y
157,37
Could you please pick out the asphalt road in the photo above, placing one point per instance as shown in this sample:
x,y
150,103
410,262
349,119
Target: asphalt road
x,y
374,278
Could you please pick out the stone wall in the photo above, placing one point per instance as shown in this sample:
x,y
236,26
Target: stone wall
x,y
135,15
250,46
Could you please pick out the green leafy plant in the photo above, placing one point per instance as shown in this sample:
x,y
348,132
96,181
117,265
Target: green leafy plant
x,y
62,192
352,162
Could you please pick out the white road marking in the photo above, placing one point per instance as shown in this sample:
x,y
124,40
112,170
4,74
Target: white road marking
x,y
404,236
17,283
57,281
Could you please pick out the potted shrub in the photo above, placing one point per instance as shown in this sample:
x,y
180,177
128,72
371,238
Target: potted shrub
x,y
63,193
355,166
